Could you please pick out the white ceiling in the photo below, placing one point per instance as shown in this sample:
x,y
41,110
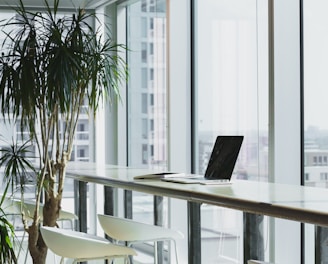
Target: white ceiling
x,y
63,3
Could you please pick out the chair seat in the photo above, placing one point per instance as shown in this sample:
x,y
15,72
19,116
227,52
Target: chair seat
x,y
16,206
79,245
128,230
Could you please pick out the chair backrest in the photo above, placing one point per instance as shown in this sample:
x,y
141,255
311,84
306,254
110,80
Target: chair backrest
x,y
28,208
129,230
10,206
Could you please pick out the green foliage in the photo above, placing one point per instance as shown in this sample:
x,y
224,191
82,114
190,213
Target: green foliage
x,y
52,67
16,160
52,63
7,235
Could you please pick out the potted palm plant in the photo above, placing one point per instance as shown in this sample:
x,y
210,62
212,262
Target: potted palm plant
x,y
50,67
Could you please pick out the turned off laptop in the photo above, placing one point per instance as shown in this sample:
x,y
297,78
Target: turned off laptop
x,y
221,163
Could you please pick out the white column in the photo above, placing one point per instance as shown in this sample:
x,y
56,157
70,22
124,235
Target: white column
x,y
179,122
285,122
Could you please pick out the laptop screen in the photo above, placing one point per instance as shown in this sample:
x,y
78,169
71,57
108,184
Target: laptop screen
x,y
223,158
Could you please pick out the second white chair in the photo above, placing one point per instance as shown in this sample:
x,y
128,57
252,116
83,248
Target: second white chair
x,y
81,246
133,232
17,207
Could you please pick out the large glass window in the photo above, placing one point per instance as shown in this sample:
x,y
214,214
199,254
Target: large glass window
x,y
315,96
146,98
315,79
231,91
147,84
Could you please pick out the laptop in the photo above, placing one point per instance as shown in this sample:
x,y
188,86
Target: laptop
x,y
220,166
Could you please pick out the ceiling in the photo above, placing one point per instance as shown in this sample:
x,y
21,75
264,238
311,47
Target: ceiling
x,y
62,3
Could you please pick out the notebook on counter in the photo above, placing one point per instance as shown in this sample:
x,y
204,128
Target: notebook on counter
x,y
159,175
220,166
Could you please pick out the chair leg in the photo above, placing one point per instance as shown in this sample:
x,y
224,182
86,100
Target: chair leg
x,y
128,244
26,252
176,251
127,260
155,252
21,244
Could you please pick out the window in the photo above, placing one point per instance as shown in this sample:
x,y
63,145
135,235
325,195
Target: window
x,y
144,27
144,78
145,104
315,160
81,127
151,24
144,6
145,128
146,109
151,48
232,94
315,23
144,54
152,5
81,153
144,154
323,176
151,101
231,98
151,74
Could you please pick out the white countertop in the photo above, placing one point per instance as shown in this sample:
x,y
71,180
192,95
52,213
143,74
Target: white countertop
x,y
299,203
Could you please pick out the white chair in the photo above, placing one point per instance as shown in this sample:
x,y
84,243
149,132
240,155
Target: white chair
x,y
132,232
16,207
81,246
28,208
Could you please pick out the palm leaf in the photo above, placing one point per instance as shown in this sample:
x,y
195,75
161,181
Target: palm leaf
x,y
16,160
7,234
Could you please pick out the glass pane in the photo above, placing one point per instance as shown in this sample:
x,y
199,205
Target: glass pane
x,y
315,113
315,78
146,40
147,84
232,99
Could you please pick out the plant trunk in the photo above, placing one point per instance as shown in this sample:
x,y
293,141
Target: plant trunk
x,y
37,248
36,245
